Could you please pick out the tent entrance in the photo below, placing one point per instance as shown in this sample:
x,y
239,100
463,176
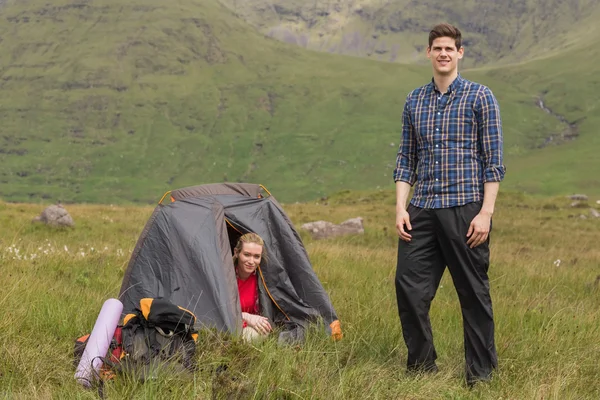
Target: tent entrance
x,y
234,233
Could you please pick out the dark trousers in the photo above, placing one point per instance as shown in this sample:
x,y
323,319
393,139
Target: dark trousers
x,y
439,240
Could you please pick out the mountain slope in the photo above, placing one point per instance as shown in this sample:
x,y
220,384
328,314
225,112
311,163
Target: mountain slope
x,y
396,30
567,160
107,101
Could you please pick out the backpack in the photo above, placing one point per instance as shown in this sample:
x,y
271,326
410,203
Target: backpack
x,y
158,335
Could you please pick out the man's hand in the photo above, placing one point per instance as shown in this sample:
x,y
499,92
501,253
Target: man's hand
x,y
403,224
258,322
479,229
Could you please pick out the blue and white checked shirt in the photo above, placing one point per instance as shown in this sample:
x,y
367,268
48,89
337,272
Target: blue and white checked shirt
x,y
451,144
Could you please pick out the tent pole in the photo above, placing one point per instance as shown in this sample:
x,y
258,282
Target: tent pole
x,y
162,198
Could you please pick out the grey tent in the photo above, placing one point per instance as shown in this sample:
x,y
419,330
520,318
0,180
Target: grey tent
x,y
184,255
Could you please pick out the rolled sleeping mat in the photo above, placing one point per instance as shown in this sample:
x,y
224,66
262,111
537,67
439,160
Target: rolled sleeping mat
x,y
98,342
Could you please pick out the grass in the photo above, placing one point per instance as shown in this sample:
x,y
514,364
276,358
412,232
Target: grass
x,y
544,265
107,102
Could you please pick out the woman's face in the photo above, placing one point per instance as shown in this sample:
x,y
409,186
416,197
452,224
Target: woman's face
x,y
249,258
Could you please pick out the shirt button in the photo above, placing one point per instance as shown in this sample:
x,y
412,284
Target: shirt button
x,y
436,162
436,195
439,113
436,145
437,129
436,179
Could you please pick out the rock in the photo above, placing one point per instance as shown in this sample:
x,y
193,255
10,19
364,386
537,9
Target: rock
x,y
581,216
594,212
579,204
324,229
581,197
55,215
354,223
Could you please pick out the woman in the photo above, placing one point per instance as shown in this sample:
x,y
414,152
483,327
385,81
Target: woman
x,y
247,255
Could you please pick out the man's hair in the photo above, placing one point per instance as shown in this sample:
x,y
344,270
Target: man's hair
x,y
446,30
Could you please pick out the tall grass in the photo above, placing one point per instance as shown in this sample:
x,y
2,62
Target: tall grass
x,y
545,259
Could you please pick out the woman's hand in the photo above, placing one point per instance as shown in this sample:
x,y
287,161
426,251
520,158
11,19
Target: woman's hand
x,y
258,322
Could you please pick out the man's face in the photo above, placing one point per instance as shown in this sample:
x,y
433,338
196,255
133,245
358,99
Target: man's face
x,y
444,55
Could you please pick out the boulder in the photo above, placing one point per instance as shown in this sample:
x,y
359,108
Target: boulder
x,y
580,197
55,215
324,229
579,204
594,212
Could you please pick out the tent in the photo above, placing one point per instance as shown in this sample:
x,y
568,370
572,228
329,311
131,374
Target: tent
x,y
184,255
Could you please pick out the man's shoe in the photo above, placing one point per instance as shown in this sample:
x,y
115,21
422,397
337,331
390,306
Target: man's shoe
x,y
474,380
429,368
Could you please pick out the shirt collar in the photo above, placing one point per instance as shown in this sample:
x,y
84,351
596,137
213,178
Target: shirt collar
x,y
455,85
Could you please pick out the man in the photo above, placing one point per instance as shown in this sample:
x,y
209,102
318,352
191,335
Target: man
x,y
452,148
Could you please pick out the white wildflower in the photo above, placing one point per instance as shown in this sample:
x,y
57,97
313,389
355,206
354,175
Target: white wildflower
x,y
556,263
66,249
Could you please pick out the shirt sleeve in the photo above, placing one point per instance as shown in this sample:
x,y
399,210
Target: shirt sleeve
x,y
406,160
489,125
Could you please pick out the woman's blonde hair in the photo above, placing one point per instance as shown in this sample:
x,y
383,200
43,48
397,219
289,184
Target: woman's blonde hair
x,y
248,238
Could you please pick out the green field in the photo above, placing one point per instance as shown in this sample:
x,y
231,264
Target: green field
x,y
544,285
111,102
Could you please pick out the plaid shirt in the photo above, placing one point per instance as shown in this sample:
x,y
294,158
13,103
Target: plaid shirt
x,y
451,144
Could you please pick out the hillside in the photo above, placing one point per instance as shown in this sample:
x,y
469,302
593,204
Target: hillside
x,y
393,30
109,102
567,160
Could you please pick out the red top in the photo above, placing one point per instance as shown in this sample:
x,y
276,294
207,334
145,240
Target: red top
x,y
248,294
